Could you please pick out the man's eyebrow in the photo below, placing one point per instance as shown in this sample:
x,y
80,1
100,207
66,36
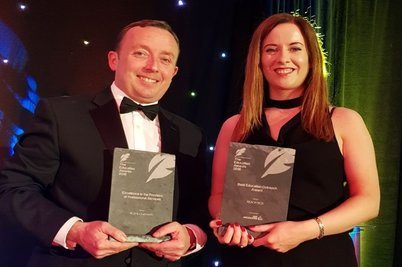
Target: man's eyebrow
x,y
168,53
164,52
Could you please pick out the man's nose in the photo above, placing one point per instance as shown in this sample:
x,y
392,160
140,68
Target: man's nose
x,y
152,64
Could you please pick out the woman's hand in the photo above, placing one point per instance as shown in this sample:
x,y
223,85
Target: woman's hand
x,y
284,236
233,234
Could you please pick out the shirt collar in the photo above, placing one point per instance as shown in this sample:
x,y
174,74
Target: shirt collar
x,y
118,95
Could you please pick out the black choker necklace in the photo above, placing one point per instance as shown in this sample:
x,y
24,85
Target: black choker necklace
x,y
285,104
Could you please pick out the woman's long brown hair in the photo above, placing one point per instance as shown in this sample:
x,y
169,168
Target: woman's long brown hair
x,y
315,115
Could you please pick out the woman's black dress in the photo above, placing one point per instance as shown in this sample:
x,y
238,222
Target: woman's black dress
x,y
318,185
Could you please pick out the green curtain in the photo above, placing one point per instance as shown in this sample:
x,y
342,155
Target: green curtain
x,y
363,41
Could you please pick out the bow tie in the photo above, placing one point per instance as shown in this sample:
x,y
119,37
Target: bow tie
x,y
127,105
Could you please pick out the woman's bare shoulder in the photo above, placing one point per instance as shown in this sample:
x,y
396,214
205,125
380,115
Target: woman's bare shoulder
x,y
231,121
347,121
346,115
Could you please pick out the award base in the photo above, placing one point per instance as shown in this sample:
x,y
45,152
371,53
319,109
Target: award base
x,y
145,239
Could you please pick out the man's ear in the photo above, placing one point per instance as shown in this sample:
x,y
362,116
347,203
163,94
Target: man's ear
x,y
176,69
113,60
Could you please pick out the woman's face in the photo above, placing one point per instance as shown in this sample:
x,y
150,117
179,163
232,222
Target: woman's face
x,y
284,61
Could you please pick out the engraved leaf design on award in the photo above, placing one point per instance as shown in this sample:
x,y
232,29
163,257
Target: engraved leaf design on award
x,y
124,157
278,161
160,167
240,152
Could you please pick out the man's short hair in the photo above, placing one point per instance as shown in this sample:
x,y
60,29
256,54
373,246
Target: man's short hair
x,y
145,23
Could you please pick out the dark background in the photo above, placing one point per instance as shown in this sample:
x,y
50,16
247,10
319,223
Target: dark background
x,y
362,40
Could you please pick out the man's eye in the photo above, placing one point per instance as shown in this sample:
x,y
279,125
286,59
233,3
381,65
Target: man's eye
x,y
139,54
166,60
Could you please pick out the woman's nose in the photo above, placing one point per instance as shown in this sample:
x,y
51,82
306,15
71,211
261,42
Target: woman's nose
x,y
284,56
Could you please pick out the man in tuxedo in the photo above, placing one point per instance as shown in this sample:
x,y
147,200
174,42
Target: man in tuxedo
x,y
57,184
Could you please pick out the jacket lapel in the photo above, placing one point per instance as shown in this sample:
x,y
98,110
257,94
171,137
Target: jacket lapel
x,y
169,133
107,120
170,144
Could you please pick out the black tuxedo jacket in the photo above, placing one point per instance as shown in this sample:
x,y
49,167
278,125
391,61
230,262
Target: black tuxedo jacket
x,y
62,168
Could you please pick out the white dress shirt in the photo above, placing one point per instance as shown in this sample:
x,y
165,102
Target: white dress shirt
x,y
141,133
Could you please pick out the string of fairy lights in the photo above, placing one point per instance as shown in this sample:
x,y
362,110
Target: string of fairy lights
x,y
24,7
27,97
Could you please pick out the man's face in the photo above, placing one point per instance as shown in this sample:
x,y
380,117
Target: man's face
x,y
145,63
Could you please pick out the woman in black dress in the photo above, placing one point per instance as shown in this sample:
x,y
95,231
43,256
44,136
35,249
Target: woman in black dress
x,y
335,182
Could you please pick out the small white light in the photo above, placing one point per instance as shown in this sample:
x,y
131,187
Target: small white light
x,y
216,263
5,61
212,148
180,3
22,6
85,42
193,94
223,55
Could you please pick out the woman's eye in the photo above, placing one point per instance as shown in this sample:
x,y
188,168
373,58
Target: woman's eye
x,y
295,49
270,50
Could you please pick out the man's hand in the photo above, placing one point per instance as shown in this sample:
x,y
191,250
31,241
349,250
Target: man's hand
x,y
93,237
173,249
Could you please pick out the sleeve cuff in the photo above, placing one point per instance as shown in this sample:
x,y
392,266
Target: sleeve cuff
x,y
61,236
200,238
